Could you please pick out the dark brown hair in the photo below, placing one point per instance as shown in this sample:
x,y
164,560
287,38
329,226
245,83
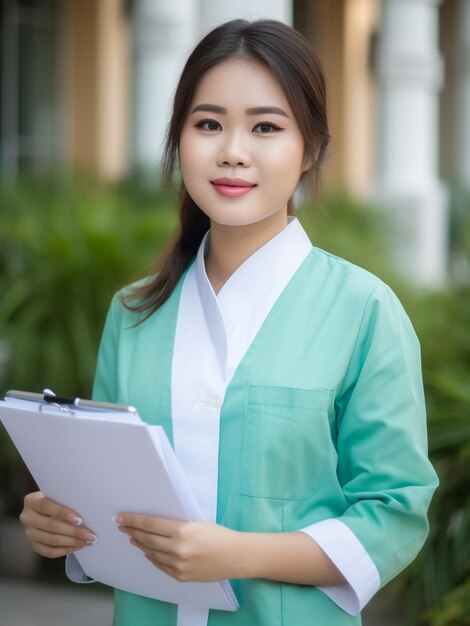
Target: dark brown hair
x,y
290,58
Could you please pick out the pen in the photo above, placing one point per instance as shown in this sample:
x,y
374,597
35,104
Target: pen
x,y
60,399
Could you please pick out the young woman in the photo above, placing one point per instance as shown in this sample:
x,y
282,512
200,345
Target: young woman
x,y
287,379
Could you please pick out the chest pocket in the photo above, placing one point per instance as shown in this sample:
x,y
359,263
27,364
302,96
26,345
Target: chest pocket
x,y
285,444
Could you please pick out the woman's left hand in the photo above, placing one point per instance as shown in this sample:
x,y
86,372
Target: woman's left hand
x,y
188,551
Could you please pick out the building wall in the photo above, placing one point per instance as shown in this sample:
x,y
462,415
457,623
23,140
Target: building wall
x,y
341,31
322,22
359,102
97,86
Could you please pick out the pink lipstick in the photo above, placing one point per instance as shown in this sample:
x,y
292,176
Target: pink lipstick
x,y
232,187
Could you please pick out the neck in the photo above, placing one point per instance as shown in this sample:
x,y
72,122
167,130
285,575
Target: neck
x,y
230,246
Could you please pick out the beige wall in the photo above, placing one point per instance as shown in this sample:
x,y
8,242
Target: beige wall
x,y
322,22
359,104
340,31
97,62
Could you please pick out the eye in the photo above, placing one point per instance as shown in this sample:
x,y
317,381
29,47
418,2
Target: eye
x,y
267,128
210,125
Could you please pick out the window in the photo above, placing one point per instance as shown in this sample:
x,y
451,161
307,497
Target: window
x,y
30,124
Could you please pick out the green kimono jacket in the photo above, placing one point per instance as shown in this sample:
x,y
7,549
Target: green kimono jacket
x,y
324,418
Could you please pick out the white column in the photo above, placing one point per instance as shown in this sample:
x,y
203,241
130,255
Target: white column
x,y
163,33
462,64
410,76
213,12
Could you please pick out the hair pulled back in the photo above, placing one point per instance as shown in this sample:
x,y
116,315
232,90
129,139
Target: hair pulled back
x,y
292,61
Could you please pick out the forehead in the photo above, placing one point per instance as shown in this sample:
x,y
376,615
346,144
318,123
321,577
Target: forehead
x,y
240,83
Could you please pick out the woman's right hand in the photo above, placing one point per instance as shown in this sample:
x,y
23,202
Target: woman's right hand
x,y
53,530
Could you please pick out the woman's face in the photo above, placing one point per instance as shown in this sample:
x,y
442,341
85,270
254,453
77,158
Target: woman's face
x,y
241,151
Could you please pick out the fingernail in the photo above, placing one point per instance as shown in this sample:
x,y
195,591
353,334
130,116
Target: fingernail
x,y
118,519
74,519
90,539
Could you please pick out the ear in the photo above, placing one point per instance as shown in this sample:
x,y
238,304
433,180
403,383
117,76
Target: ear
x,y
310,161
307,164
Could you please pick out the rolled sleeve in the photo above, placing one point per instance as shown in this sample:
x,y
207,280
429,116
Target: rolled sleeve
x,y
350,557
383,468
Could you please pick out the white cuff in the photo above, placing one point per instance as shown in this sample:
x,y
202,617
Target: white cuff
x,y
74,570
348,554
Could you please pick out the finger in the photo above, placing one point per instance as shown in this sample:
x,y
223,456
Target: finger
x,y
170,571
160,559
47,507
167,556
53,540
54,526
174,572
157,525
53,552
150,540
36,504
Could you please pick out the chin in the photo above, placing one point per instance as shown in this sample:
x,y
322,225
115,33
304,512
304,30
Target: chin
x,y
236,220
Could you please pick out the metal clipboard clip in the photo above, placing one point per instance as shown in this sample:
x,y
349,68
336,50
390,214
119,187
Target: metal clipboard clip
x,y
61,407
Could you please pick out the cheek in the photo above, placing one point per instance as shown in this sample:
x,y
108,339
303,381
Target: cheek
x,y
194,156
184,150
284,163
288,152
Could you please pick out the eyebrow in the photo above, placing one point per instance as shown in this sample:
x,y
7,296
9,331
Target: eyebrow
x,y
214,108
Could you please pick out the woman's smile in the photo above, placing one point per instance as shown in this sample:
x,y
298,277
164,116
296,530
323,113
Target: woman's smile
x,y
232,187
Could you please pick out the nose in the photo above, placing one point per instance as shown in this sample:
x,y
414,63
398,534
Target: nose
x,y
233,151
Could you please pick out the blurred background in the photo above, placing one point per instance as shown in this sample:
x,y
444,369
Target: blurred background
x,y
85,94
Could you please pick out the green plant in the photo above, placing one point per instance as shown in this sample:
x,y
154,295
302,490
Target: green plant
x,y
64,250
459,233
353,230
454,609
444,563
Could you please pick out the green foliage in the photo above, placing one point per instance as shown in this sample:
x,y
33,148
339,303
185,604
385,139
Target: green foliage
x,y
459,234
64,250
354,231
454,610
442,321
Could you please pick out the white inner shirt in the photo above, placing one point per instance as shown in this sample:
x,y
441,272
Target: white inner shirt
x,y
213,333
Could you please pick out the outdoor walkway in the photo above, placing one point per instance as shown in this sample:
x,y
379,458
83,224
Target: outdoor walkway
x,y
32,604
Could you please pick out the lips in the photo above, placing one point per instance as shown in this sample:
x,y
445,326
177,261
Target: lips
x,y
232,187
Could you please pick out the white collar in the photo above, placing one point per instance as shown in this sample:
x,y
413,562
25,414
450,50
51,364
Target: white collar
x,y
276,261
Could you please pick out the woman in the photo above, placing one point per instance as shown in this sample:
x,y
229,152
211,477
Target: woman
x,y
287,379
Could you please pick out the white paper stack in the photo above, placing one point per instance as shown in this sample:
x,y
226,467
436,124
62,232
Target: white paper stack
x,y
103,463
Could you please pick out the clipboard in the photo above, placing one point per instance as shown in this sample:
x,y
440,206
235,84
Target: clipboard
x,y
100,460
